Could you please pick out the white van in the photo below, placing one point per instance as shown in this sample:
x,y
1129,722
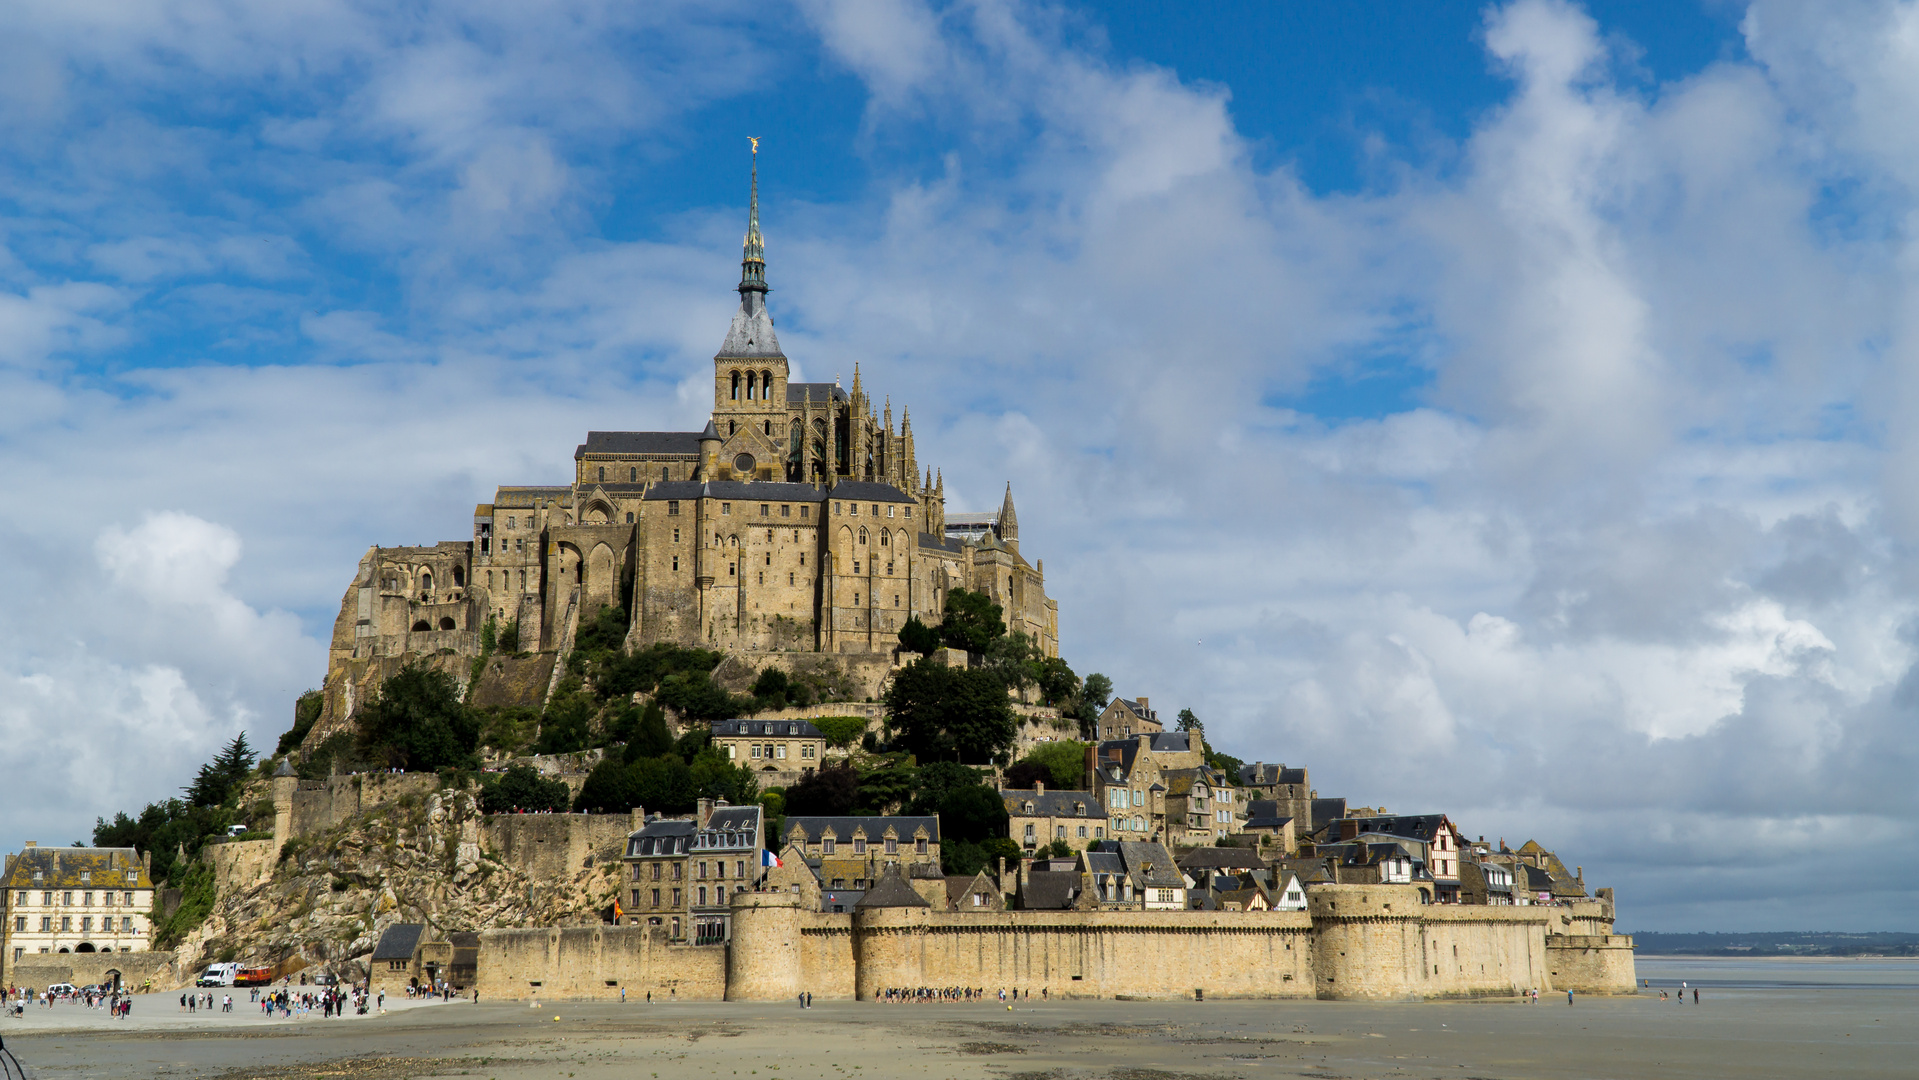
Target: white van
x,y
218,975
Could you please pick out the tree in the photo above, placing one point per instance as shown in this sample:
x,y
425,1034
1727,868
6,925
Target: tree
x,y
567,726
1189,722
840,732
306,710
917,637
972,622
651,738
1057,683
941,713
974,813
417,721
1064,760
830,791
1225,763
1024,774
1059,849
523,788
1097,690
1015,659
220,779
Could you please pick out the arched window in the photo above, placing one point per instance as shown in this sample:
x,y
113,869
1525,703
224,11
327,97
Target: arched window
x,y
426,582
446,623
769,427
602,474
662,472
766,386
885,538
421,627
752,379
862,536
459,577
632,475
736,386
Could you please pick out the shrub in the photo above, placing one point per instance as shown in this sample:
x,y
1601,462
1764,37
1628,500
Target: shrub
x,y
522,787
841,731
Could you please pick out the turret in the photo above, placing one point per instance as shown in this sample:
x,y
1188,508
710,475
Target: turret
x,y
709,451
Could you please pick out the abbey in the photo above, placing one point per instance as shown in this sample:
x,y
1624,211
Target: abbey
x,y
798,519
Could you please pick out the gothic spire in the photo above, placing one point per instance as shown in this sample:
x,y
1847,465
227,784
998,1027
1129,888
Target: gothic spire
x,y
1008,521
753,257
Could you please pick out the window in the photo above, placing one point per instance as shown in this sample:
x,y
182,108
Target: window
x,y
1059,832
726,509
739,868
662,473
676,562
806,751
673,508
787,511
633,477
892,846
862,536
859,845
803,512
702,896
66,923
679,871
853,509
779,751
46,923
756,751
20,924
656,898
629,517
919,846
1099,832
676,903
826,848
1082,832
656,871
20,899
66,899
602,474
889,511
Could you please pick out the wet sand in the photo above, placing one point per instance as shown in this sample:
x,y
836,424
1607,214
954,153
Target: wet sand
x,y
1830,1023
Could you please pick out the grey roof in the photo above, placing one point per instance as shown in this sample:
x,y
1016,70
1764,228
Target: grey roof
x,y
734,819
792,729
891,891
1260,774
1218,858
285,769
1167,742
1049,890
684,443
822,392
1421,827
868,491
928,540
1104,862
842,828
664,837
763,490
399,941
1052,803
1327,811
1151,865
750,336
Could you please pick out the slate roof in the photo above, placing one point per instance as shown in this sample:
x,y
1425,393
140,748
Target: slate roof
x,y
841,829
651,443
1067,804
1260,774
1327,811
750,335
1050,890
665,837
789,729
399,941
961,887
1217,858
1421,827
734,819
822,392
1103,862
928,540
759,490
1151,865
892,891
1245,897
1264,814
868,491
61,867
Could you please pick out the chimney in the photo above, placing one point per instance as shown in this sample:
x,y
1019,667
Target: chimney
x,y
1579,875
33,843
636,818
1039,787
705,812
1145,711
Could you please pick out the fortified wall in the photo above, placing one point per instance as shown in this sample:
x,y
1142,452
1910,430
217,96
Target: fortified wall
x,y
1354,942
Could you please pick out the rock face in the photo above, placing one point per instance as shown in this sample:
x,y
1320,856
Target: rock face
x,y
422,858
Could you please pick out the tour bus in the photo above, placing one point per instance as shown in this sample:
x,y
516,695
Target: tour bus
x,y
217,975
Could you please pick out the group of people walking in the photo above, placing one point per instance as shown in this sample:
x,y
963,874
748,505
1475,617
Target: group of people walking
x,y
117,1003
942,995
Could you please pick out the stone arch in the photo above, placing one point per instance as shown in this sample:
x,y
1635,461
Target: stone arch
x,y
736,386
63,948
426,583
862,535
447,623
85,946
886,538
112,975
597,512
602,571
459,577
766,386
422,627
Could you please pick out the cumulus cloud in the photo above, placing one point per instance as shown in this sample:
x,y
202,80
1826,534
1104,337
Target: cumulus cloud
x,y
1628,575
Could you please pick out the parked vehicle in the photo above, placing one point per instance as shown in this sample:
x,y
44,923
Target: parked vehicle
x,y
217,975
62,989
236,830
326,978
253,977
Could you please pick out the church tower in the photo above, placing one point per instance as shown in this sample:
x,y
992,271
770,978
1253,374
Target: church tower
x,y
749,372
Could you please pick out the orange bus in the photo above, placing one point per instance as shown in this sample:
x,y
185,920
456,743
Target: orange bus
x,y
253,977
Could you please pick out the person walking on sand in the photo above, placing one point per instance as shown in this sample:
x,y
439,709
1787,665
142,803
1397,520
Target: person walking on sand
x,y
1569,997
1695,995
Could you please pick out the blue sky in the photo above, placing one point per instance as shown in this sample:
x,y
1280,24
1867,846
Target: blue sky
x,y
1497,408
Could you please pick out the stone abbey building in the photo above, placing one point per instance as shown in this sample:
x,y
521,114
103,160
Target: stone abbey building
x,y
798,519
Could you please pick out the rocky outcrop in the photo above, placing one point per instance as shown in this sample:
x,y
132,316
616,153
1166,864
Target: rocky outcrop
x,y
422,858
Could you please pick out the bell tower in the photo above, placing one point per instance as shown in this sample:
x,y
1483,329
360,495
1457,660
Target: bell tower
x,y
749,372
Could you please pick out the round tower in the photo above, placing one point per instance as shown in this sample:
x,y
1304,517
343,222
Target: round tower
x,y
1365,937
763,959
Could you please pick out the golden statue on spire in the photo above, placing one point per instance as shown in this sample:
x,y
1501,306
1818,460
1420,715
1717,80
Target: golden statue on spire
x,y
755,140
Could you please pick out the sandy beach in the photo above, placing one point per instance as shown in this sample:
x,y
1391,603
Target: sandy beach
x,y
1827,1024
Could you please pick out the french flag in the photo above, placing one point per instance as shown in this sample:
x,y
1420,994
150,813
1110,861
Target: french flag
x,y
767,858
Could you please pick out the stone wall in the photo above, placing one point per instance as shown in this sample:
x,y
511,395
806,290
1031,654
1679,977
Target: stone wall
x,y
1591,964
240,865
1378,942
86,969
312,806
552,847
596,962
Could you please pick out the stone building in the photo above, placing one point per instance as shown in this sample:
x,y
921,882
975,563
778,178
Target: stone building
x,y
1202,806
786,748
1123,719
1037,817
799,518
1291,789
74,900
682,872
1129,776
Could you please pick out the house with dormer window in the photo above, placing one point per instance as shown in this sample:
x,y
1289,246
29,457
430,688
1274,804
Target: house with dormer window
x,y
682,873
843,857
1037,817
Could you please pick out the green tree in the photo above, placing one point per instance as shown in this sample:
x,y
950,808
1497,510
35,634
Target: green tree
x,y
1057,683
773,811
832,790
417,721
652,738
1189,722
220,779
306,710
917,637
1225,763
972,622
510,636
522,787
1015,659
1097,691
1064,761
941,713
840,731
567,725
1059,849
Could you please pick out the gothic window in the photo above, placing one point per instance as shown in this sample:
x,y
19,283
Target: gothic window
x,y
629,517
766,391
602,474
662,472
736,386
426,583
751,379
633,475
769,428
459,577
862,536
885,540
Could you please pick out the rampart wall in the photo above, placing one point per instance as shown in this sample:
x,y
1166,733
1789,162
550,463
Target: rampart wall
x,y
597,962
305,807
1365,942
88,969
552,847
239,865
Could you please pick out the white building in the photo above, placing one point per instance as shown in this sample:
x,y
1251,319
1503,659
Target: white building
x,y
74,900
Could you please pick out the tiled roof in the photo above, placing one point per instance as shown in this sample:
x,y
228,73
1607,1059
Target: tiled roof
x,y
790,729
1051,803
1151,865
78,867
890,892
841,829
867,491
1049,890
399,941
